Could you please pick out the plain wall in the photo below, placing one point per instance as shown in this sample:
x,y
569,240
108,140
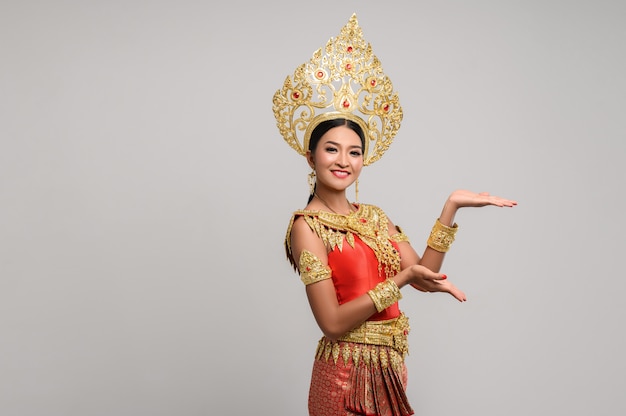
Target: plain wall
x,y
145,192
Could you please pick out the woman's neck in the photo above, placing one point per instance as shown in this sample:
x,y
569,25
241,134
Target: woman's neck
x,y
334,201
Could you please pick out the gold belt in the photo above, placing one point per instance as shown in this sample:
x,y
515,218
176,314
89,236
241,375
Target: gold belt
x,y
389,333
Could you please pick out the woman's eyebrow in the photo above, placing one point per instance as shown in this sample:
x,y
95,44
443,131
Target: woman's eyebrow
x,y
337,144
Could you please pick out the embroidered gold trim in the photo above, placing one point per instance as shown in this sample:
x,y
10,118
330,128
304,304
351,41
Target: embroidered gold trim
x,y
372,342
390,333
399,237
312,269
368,222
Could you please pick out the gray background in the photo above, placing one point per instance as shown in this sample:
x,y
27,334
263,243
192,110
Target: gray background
x,y
145,192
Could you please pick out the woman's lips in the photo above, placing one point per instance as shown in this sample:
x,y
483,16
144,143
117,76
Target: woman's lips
x,y
340,173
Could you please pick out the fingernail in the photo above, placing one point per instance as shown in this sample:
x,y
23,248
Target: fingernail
x,y
444,277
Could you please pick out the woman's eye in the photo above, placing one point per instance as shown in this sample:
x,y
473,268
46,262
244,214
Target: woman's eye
x,y
356,153
331,149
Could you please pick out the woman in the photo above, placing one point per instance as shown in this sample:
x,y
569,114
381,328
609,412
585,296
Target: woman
x,y
341,278
351,257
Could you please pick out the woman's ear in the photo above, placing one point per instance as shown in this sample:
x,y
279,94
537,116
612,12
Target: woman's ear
x,y
309,159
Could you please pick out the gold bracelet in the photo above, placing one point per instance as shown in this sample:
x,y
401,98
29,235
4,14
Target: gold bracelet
x,y
441,236
385,294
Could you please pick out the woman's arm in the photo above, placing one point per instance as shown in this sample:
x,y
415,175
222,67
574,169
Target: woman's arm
x,y
333,319
409,258
433,259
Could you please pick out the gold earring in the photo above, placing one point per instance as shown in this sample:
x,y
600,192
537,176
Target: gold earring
x,y
356,190
311,182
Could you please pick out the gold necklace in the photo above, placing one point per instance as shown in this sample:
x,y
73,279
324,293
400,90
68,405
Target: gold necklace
x,y
326,205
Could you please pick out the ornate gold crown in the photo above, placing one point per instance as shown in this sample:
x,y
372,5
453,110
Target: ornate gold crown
x,y
345,80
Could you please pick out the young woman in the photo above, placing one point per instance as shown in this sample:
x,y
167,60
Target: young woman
x,y
354,261
340,111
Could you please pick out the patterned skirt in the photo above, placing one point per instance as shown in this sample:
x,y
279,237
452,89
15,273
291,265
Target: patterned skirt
x,y
356,378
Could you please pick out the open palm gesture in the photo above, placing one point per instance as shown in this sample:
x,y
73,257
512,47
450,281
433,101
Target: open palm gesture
x,y
463,198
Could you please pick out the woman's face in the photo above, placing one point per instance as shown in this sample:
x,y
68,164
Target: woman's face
x,y
338,158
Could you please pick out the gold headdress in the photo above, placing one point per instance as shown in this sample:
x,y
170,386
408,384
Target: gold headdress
x,y
344,80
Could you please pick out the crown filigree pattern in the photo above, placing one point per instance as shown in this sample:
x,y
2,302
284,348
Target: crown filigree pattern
x,y
344,79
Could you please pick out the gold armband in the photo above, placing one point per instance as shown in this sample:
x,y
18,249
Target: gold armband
x,y
441,236
399,237
385,294
312,269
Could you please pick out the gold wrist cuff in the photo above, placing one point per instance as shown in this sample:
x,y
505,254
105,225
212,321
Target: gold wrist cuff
x,y
385,294
441,236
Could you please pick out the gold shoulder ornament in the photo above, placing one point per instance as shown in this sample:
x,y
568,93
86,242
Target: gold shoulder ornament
x,y
342,80
369,223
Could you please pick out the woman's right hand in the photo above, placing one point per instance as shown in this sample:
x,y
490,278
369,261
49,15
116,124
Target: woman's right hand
x,y
463,198
422,278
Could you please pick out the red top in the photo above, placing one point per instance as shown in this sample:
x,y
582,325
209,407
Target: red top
x,y
355,271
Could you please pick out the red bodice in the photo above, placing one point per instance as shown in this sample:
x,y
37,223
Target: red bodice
x,y
355,271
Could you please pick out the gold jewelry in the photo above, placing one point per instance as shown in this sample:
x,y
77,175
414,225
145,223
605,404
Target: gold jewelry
x,y
312,269
356,190
311,180
368,222
390,333
400,236
342,80
442,236
385,294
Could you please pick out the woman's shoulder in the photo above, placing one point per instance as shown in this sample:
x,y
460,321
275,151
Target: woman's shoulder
x,y
301,216
305,212
302,224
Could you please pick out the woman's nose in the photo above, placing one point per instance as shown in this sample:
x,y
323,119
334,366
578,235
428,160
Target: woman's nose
x,y
342,160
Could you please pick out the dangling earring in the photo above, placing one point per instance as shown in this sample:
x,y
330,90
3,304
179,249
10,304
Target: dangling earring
x,y
356,190
311,182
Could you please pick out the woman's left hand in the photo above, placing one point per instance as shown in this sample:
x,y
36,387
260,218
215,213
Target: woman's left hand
x,y
444,286
448,287
462,198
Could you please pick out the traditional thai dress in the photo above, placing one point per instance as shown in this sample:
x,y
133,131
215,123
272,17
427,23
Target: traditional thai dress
x,y
362,373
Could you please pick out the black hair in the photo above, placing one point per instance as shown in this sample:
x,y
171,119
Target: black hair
x,y
326,125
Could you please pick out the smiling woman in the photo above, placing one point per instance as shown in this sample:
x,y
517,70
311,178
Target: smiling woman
x,y
335,152
351,257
